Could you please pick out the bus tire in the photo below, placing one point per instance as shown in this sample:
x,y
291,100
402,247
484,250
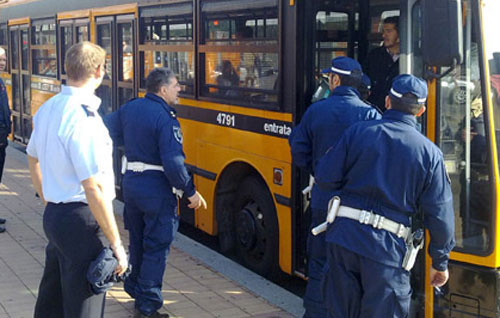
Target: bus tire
x,y
256,227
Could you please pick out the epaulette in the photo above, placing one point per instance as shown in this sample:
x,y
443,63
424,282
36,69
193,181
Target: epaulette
x,y
88,111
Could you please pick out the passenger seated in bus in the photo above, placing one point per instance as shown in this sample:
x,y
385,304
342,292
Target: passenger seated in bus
x,y
228,78
245,32
49,68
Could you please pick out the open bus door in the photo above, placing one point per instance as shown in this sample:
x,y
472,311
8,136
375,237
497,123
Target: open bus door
x,y
330,29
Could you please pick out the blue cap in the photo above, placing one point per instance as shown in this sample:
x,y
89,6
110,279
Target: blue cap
x,y
406,83
343,65
365,80
101,273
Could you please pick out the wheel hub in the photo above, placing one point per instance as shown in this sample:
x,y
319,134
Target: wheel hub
x,y
246,230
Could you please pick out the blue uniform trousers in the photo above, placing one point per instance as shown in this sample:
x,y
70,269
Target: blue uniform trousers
x,y
316,259
152,223
357,287
75,240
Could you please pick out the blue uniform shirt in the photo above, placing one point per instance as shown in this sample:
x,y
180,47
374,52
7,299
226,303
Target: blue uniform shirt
x,y
150,132
321,127
389,167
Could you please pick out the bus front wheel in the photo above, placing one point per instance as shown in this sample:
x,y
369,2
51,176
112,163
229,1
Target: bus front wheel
x,y
256,227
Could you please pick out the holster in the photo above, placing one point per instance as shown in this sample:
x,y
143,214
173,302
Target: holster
x,y
414,244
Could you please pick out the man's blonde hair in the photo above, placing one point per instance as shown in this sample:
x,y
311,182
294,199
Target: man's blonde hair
x,y
83,59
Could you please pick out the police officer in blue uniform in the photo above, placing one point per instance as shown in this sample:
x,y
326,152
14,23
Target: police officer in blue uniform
x,y
384,172
155,175
320,128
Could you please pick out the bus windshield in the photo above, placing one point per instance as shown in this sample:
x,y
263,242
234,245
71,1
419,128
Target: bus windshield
x,y
491,25
463,138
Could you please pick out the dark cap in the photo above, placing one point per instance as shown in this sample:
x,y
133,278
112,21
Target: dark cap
x,y
343,65
409,84
101,273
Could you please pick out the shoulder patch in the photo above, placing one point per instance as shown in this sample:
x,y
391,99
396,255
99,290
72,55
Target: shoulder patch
x,y
177,134
88,111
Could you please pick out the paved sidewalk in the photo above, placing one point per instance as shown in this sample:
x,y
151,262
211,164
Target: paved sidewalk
x,y
192,290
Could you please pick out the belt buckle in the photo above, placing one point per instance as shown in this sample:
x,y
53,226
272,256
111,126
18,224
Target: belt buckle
x,y
378,221
137,166
364,217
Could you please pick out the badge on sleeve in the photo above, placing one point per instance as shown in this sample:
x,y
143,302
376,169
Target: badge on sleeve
x,y
177,134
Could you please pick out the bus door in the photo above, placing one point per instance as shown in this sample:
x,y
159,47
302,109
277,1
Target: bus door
x,y
116,34
333,29
71,31
21,87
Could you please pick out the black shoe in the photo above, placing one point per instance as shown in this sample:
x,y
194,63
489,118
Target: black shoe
x,y
2,228
2,221
138,314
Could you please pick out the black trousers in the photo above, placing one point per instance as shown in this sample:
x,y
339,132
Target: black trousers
x,y
75,240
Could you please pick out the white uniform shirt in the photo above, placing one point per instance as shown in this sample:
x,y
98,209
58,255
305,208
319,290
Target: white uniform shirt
x,y
72,144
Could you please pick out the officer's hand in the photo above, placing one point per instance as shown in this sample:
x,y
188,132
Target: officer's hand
x,y
438,278
196,201
121,256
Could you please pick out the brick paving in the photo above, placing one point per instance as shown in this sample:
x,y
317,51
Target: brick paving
x,y
192,290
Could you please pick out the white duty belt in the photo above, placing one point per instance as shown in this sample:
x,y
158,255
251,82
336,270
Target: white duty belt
x,y
375,220
363,217
138,166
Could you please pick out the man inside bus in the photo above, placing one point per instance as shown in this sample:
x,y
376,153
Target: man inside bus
x,y
382,63
384,172
321,126
155,176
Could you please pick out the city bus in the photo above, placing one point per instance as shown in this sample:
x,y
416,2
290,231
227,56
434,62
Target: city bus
x,y
249,70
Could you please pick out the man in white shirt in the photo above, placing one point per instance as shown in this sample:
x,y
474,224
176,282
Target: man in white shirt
x,y
70,160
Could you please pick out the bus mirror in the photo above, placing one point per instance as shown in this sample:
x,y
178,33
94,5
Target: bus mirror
x,y
442,32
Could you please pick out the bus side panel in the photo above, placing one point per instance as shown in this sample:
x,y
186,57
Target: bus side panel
x,y
244,147
472,291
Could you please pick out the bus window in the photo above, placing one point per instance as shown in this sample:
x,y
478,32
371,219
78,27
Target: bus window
x,y
332,38
126,53
66,40
3,34
82,33
104,40
14,49
239,54
463,138
43,48
24,49
170,29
